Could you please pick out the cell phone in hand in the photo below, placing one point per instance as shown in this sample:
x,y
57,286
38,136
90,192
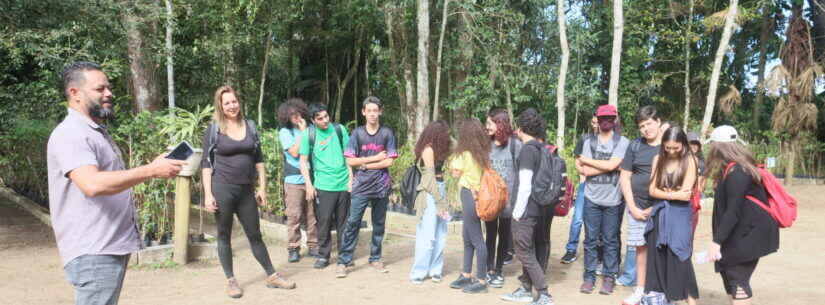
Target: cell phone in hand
x,y
181,152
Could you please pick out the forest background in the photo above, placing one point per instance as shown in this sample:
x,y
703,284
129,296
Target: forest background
x,y
753,64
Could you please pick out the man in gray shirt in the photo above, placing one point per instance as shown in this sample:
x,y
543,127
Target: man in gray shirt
x,y
603,206
90,197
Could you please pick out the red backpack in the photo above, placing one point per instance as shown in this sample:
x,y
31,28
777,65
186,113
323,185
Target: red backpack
x,y
563,207
781,205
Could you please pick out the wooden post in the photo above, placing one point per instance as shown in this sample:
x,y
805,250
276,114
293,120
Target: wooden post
x,y
182,202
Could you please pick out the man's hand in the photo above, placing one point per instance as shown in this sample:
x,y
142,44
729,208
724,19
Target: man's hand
x,y
311,193
260,196
209,203
302,124
162,167
379,157
640,215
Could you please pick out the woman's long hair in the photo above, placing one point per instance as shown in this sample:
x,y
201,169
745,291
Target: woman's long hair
x,y
504,129
437,136
218,116
722,153
674,133
473,138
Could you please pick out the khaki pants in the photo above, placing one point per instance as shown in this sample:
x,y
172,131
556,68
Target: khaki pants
x,y
299,211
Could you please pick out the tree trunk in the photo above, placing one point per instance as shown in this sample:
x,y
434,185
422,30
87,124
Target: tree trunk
x,y
342,84
565,59
717,65
817,8
263,77
409,83
790,153
767,28
615,62
688,42
141,69
170,53
422,108
438,65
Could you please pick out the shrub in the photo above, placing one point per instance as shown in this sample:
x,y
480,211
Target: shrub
x,y
23,158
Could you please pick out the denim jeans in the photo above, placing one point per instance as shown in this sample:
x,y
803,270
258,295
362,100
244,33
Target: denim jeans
x,y
359,204
604,222
628,276
97,279
430,239
576,222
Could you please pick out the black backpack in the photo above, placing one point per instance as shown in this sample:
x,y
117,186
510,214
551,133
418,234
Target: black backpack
x,y
409,185
549,182
213,130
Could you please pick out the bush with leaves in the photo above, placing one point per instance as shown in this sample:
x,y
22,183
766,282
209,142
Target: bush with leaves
x,y
20,167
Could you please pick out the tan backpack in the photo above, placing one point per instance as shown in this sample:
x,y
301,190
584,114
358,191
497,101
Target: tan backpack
x,y
492,197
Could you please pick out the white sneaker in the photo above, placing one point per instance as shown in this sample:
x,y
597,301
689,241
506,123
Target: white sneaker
x,y
635,298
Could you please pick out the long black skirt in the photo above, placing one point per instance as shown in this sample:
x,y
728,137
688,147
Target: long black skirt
x,y
666,273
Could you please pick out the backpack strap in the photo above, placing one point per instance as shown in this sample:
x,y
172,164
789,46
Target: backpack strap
x,y
212,131
594,141
340,134
728,168
254,131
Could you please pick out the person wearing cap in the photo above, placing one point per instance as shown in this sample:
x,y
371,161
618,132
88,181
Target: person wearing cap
x,y
742,231
696,149
603,205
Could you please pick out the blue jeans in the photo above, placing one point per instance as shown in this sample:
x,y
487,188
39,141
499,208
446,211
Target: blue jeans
x,y
430,239
357,208
97,279
576,222
604,222
628,277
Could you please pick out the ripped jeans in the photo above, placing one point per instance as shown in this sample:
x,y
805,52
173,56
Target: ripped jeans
x,y
430,239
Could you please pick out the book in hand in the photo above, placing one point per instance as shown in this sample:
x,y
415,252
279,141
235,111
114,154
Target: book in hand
x,y
181,152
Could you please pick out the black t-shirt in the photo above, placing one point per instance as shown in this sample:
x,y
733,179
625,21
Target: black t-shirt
x,y
577,151
235,160
639,160
530,159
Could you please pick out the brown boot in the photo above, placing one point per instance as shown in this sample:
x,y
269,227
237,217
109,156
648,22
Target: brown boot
x,y
277,281
233,289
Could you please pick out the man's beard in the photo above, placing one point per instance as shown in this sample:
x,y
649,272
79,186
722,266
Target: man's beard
x,y
96,110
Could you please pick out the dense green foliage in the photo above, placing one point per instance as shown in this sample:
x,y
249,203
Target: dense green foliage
x,y
495,53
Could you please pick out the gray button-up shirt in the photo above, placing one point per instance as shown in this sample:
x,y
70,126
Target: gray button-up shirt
x,y
87,225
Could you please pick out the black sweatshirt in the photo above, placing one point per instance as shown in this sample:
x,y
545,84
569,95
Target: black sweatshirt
x,y
743,229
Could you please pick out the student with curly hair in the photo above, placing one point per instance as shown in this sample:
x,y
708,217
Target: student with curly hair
x,y
432,148
470,159
293,115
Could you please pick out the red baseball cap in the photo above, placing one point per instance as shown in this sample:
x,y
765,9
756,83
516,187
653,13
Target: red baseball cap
x,y
607,110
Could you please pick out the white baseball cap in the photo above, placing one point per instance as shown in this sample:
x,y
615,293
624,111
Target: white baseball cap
x,y
724,134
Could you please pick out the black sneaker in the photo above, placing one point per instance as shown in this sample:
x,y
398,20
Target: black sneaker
x,y
475,287
508,258
568,257
461,282
495,280
321,263
294,256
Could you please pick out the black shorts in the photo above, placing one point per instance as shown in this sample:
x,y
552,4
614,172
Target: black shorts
x,y
738,275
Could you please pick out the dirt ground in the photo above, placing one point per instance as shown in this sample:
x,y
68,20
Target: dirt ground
x,y
31,273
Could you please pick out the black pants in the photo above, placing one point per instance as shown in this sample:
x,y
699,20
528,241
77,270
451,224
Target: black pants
x,y
532,244
499,228
332,210
238,199
473,238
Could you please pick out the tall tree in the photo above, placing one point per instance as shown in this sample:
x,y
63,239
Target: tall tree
x,y
422,107
616,57
565,59
444,15
144,86
170,53
767,29
730,18
795,113
688,42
